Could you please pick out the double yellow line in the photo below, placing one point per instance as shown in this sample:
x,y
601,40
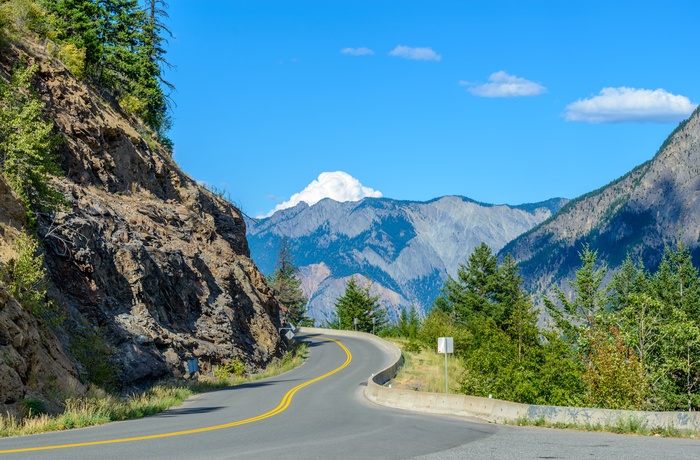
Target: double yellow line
x,y
281,407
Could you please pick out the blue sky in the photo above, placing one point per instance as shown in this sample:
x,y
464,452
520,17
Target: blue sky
x,y
500,101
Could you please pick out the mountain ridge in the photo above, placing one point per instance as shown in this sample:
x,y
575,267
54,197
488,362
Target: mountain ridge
x,y
639,213
406,248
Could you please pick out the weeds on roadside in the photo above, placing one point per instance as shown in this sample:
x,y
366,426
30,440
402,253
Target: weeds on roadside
x,y
623,425
98,406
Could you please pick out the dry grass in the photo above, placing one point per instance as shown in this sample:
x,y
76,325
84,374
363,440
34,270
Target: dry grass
x,y
99,407
425,370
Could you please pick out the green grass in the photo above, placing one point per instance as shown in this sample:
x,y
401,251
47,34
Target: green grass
x,y
98,407
424,370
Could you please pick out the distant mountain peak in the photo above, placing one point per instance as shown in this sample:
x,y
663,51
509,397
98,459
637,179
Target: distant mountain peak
x,y
406,248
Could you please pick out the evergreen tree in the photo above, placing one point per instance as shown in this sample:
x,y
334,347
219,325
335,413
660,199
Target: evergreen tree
x,y
631,278
358,304
677,283
574,316
475,292
409,323
26,143
287,287
520,317
75,22
123,49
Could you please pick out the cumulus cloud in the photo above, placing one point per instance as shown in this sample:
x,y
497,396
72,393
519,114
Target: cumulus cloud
x,y
418,54
623,104
338,185
504,85
362,51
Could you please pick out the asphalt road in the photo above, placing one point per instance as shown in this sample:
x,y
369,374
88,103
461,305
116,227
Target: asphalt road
x,y
318,411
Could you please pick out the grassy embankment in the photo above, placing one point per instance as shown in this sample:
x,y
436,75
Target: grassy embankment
x,y
424,370
99,407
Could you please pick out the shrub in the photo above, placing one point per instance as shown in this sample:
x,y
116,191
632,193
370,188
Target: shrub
x,y
27,144
27,279
92,350
24,17
73,58
133,105
31,407
234,367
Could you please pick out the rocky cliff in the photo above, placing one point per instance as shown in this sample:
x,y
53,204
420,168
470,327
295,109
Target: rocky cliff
x,y
32,360
640,214
407,249
143,258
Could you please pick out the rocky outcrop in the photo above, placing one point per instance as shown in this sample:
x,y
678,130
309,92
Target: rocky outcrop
x,y
143,256
32,360
407,249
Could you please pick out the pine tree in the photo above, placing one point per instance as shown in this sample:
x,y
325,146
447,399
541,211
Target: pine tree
x,y
631,278
26,143
287,287
409,323
123,49
574,316
358,304
475,291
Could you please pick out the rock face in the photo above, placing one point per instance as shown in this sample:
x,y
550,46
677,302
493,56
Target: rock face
x,y
640,214
32,360
143,256
407,249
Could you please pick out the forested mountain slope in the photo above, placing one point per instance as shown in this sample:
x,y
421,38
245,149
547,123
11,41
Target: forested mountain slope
x,y
639,214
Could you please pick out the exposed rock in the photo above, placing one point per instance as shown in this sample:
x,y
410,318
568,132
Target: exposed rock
x,y
32,361
143,255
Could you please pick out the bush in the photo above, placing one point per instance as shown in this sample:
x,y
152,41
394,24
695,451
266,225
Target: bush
x,y
91,349
23,17
27,279
31,407
234,367
133,105
74,59
27,146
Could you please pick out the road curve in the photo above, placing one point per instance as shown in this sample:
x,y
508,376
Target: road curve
x,y
319,411
315,411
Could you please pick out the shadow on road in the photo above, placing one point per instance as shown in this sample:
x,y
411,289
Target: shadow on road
x,y
188,411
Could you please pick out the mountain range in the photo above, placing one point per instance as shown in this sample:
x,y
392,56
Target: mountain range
x,y
406,249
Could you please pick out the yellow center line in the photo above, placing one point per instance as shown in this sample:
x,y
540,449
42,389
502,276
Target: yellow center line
x,y
281,407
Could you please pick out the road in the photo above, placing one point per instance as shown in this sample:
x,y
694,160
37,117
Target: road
x,y
318,411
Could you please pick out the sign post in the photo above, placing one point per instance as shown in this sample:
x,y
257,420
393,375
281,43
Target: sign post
x,y
291,329
445,345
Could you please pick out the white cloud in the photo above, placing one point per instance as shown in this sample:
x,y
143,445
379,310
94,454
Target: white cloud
x,y
505,85
419,54
618,105
362,51
338,185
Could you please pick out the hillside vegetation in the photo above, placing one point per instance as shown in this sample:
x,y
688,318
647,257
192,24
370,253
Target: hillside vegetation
x,y
116,267
634,345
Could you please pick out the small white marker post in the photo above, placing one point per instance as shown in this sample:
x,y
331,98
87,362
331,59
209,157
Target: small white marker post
x,y
445,345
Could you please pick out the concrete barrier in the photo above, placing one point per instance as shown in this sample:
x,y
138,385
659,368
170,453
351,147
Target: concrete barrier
x,y
499,411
